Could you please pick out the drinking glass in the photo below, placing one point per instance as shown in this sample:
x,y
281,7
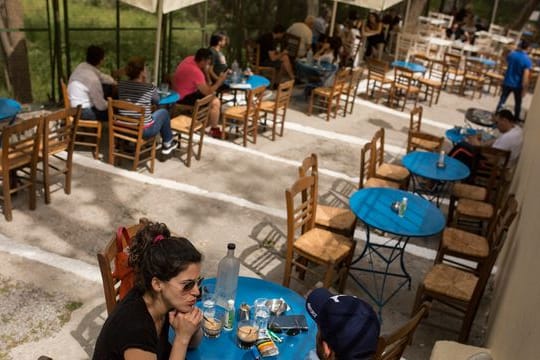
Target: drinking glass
x,y
247,333
212,325
164,88
261,313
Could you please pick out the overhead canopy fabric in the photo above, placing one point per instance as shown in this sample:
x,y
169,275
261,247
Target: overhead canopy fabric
x,y
167,5
377,5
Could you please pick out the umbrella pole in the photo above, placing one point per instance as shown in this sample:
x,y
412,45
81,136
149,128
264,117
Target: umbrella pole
x,y
333,21
158,42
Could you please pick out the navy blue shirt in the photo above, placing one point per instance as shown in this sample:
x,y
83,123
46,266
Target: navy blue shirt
x,y
518,61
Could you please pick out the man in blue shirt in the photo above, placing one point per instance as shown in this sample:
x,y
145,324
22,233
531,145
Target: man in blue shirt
x,y
516,78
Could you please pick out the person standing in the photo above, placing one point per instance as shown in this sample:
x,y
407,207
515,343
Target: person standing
x,y
516,78
304,32
85,86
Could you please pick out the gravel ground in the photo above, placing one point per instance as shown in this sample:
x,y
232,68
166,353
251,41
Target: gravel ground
x,y
29,313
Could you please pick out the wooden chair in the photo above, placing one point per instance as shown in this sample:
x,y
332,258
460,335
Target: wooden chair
x,y
253,57
126,124
377,71
278,107
458,288
405,46
336,219
384,170
515,35
454,71
403,86
392,346
474,76
350,89
431,81
367,170
244,118
460,244
88,132
20,152
106,258
185,125
495,76
306,242
417,139
496,29
59,129
292,45
328,98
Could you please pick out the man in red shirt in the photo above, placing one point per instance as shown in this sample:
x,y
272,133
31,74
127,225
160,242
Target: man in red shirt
x,y
190,83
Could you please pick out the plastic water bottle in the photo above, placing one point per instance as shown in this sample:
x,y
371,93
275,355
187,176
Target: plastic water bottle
x,y
235,71
228,323
402,207
227,277
440,162
309,56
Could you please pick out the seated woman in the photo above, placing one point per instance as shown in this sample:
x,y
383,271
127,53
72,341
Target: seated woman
x,y
167,271
351,42
328,58
373,32
138,91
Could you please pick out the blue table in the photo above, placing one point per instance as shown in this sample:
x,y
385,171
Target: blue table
x,y
410,65
487,62
252,82
168,99
9,109
224,347
314,68
456,136
480,117
424,164
373,206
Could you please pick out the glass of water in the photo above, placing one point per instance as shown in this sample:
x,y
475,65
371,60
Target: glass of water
x,y
261,314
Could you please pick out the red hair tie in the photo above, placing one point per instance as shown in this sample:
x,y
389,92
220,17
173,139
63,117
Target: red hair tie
x,y
158,238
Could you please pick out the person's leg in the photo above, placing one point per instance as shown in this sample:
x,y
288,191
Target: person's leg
x,y
504,95
517,103
213,118
94,114
162,117
287,66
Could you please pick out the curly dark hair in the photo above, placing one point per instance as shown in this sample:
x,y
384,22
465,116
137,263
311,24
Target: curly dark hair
x,y
135,66
155,253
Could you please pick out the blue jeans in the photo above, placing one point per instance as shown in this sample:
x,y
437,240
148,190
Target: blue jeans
x,y
506,90
161,125
94,114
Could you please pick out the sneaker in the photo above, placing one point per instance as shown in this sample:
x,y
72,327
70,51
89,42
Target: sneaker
x,y
166,150
215,133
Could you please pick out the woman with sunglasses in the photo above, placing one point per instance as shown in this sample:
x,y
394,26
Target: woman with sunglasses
x,y
167,271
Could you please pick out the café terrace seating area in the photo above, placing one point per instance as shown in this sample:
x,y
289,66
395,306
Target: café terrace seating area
x,y
309,188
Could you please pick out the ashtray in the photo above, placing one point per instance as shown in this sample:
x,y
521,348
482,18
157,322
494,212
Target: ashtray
x,y
395,206
441,165
277,306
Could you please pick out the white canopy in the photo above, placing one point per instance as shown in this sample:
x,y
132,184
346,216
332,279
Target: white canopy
x,y
377,5
161,7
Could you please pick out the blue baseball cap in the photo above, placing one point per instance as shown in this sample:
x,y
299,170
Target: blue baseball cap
x,y
346,323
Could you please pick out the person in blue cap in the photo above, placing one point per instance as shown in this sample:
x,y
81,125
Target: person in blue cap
x,y
348,327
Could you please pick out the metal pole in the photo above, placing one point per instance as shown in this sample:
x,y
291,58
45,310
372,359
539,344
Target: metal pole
x,y
333,21
494,11
158,41
57,46
66,39
169,42
117,34
204,39
51,53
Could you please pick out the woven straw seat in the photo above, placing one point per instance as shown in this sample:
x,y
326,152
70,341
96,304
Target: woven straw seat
x,y
268,105
323,244
325,91
468,191
425,144
376,182
474,208
182,123
411,89
236,112
460,241
334,217
392,171
494,75
430,82
450,281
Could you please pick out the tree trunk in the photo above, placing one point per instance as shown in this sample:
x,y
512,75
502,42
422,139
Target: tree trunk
x,y
312,7
416,10
15,51
524,14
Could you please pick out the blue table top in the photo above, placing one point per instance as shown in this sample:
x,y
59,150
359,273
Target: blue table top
x,y
374,207
410,65
485,61
8,108
455,136
252,82
320,67
249,289
170,98
425,164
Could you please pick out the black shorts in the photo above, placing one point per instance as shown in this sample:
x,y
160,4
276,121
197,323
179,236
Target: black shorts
x,y
191,98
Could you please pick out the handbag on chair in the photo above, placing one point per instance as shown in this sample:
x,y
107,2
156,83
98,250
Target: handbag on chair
x,y
122,270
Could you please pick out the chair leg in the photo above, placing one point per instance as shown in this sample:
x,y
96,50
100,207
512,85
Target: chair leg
x,y
46,179
201,137
310,107
245,132
6,181
153,156
274,124
419,298
136,157
288,268
328,275
69,168
98,140
189,150
451,209
32,188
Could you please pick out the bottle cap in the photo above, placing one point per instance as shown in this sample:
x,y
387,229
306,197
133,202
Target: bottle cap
x,y
231,246
230,302
404,199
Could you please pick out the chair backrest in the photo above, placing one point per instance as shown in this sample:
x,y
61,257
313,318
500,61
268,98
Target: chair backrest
x,y
489,171
378,147
514,34
201,112
405,44
340,80
292,44
283,95
449,20
452,60
366,163
377,67
59,131
106,258
475,67
300,209
354,80
253,54
437,70
20,145
404,77
503,221
391,347
254,100
126,120
415,123
496,29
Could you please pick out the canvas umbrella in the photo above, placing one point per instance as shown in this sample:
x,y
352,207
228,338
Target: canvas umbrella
x,y
377,5
160,7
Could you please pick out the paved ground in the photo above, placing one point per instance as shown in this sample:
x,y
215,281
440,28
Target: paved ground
x,y
232,194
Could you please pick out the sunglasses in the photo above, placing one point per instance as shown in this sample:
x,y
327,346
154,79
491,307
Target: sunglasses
x,y
188,285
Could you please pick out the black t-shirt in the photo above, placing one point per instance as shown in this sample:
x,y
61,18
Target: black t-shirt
x,y
131,326
267,43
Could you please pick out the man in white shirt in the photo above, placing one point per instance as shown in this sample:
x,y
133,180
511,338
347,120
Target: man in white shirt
x,y
85,86
303,31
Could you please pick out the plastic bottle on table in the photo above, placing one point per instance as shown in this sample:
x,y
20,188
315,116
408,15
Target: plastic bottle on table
x,y
227,277
235,71
228,323
309,56
402,207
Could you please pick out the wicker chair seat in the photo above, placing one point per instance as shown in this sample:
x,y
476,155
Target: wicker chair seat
x,y
235,112
392,171
410,89
495,75
324,245
475,209
182,123
425,144
334,217
464,242
323,91
450,281
430,82
468,191
268,106
376,182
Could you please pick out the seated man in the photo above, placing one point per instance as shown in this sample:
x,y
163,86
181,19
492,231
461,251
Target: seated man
x,y
511,139
85,86
348,327
190,83
272,55
304,32
219,63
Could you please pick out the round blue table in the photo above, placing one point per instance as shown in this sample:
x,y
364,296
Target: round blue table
x,y
487,62
455,136
480,117
374,206
9,109
252,82
170,98
249,289
314,68
410,65
422,164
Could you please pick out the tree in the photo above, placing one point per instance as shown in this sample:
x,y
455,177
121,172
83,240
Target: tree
x,y
14,50
524,14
